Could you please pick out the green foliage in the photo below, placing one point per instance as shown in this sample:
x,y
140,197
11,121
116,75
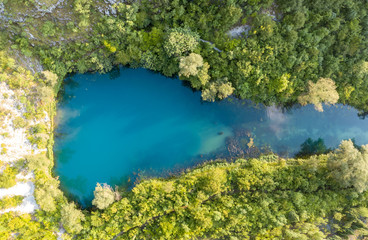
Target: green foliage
x,y
220,90
45,94
46,196
51,79
24,226
4,150
322,91
104,196
82,7
287,49
8,177
350,166
39,139
283,59
19,122
273,199
48,29
71,218
180,41
189,66
38,162
9,202
39,135
47,192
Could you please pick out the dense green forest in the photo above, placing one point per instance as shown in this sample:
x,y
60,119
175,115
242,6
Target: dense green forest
x,y
287,46
322,197
292,52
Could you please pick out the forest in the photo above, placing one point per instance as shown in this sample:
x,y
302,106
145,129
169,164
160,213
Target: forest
x,y
287,46
321,197
290,52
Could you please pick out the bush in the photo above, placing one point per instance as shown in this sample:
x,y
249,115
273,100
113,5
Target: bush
x,y
7,178
180,41
39,139
349,166
4,150
47,191
39,162
48,29
71,218
104,196
19,122
9,202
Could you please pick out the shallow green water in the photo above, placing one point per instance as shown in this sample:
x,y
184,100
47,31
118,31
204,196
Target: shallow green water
x,y
135,121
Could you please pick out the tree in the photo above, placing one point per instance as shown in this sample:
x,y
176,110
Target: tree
x,y
225,90
364,67
50,78
71,218
48,29
349,166
324,90
38,162
202,75
209,93
8,177
82,7
220,89
195,70
180,41
189,66
45,200
46,194
104,196
45,93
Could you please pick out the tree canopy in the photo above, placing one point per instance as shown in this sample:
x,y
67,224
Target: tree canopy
x,y
349,166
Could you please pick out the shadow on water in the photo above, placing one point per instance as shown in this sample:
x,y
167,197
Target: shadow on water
x,y
64,97
362,115
79,185
310,147
114,73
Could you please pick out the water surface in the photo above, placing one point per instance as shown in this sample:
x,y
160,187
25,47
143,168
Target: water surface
x,y
110,127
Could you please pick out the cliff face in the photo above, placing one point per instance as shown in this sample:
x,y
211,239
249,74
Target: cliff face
x,y
28,26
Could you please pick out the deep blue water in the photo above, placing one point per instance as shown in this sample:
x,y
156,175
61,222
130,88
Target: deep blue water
x,y
140,122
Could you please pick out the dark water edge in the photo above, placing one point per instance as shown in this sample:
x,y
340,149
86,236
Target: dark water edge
x,y
271,129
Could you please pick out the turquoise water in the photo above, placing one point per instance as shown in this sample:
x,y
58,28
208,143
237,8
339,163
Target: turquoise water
x,y
113,126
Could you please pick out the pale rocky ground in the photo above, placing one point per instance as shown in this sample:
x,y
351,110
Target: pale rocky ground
x,y
17,146
239,31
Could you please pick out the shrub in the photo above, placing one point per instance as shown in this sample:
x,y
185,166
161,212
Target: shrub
x,y
39,139
48,29
349,166
180,41
38,162
71,218
47,191
104,196
7,178
324,90
19,122
9,202
4,150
